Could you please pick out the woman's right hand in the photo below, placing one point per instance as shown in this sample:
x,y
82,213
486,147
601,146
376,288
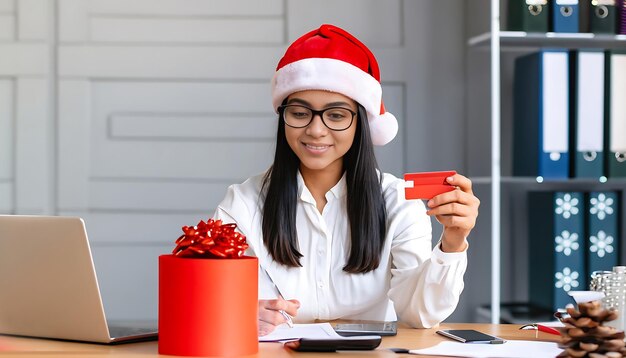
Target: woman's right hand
x,y
269,317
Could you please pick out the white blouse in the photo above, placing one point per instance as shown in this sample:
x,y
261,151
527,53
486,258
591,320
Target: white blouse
x,y
413,283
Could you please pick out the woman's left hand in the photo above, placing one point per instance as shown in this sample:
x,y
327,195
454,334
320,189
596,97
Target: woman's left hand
x,y
457,211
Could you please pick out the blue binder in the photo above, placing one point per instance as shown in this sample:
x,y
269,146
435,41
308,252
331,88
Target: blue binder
x,y
587,120
541,115
602,231
615,115
557,253
565,16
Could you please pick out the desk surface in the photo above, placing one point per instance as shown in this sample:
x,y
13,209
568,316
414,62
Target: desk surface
x,y
406,338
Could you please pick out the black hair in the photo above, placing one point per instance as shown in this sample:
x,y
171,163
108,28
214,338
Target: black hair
x,y
367,214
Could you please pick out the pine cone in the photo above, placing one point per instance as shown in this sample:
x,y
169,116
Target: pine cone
x,y
585,335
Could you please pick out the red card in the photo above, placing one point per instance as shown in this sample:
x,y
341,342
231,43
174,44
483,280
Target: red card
x,y
428,184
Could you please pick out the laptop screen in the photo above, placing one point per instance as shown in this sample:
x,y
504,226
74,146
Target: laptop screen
x,y
48,284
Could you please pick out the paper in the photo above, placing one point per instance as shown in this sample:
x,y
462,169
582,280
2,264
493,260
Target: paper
x,y
312,331
509,349
586,296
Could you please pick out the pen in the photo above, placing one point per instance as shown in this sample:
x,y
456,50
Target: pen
x,y
542,328
287,316
547,329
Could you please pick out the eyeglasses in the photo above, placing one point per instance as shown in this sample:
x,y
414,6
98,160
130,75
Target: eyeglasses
x,y
335,118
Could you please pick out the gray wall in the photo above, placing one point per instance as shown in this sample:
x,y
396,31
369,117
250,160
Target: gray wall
x,y
110,110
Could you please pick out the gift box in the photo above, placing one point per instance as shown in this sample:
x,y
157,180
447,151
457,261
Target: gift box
x,y
208,301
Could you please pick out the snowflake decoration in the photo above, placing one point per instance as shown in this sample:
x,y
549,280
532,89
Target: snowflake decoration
x,y
567,279
567,206
601,243
601,206
566,242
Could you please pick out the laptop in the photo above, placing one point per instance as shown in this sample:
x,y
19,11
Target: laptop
x,y
48,283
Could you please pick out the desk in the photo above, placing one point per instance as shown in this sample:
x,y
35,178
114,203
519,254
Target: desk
x,y
406,338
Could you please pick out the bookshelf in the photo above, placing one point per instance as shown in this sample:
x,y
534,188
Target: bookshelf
x,y
519,40
511,43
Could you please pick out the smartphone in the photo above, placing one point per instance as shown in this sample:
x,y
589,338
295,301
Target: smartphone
x,y
363,343
470,336
366,328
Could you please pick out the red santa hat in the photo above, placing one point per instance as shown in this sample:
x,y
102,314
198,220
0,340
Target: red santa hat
x,y
331,59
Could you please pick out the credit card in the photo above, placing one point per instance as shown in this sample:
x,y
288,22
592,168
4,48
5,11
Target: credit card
x,y
427,185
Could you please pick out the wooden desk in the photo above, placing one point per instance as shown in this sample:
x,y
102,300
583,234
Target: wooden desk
x,y
406,338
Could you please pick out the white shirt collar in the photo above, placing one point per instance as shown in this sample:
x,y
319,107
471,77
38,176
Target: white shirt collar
x,y
337,191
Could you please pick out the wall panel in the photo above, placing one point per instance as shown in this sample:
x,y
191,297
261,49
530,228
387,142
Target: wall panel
x,y
74,108
128,280
181,31
176,62
390,157
7,6
187,8
215,126
7,126
137,227
32,147
7,27
378,24
33,19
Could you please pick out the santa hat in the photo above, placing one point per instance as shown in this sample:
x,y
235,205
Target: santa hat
x,y
331,59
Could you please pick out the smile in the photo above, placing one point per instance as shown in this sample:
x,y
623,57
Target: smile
x,y
316,147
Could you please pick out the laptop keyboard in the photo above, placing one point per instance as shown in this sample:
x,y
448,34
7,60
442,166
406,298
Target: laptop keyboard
x,y
118,331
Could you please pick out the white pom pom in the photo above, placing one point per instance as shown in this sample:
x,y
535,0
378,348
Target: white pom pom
x,y
383,128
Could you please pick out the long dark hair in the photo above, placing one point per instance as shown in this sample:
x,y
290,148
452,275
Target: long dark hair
x,y
365,203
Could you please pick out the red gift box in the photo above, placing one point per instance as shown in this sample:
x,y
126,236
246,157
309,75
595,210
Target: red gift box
x,y
208,307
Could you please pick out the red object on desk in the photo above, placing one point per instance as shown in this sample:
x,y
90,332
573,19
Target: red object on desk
x,y
541,328
427,185
547,329
208,307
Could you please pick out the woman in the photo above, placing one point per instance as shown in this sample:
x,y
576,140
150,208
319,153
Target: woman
x,y
335,237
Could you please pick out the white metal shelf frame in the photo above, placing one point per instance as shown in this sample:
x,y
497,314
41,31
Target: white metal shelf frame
x,y
495,161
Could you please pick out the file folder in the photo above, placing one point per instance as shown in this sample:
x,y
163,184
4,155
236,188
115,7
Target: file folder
x,y
621,5
603,17
528,15
541,115
565,16
615,119
602,231
556,247
587,125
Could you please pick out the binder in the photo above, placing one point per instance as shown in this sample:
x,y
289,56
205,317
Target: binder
x,y
528,15
584,15
615,118
587,124
565,16
556,239
621,5
602,231
541,115
603,17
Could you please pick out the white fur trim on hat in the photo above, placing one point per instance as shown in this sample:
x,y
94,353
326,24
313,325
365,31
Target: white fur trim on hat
x,y
383,128
341,77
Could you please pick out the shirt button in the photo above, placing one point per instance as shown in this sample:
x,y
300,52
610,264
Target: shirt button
x,y
320,285
440,261
320,252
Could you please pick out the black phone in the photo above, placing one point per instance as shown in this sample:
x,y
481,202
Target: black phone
x,y
350,329
470,336
361,343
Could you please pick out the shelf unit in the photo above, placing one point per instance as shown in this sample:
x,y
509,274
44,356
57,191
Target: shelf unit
x,y
516,40
497,41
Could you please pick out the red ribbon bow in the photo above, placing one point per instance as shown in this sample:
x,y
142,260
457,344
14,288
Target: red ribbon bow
x,y
211,240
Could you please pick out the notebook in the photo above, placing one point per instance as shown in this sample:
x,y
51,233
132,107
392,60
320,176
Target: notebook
x,y
48,283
